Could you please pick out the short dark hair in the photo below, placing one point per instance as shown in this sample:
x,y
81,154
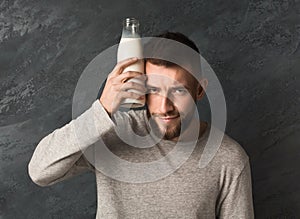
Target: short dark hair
x,y
176,36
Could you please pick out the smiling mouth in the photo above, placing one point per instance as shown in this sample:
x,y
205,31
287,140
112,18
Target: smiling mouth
x,y
168,118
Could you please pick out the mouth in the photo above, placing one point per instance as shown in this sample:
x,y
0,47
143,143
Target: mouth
x,y
168,119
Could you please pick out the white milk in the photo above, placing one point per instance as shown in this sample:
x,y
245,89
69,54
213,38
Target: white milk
x,y
128,48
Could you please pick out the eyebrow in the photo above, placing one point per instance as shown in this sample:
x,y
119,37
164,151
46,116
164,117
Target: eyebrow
x,y
179,86
172,87
149,85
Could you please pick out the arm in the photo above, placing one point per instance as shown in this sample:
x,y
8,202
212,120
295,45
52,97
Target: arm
x,y
238,202
59,155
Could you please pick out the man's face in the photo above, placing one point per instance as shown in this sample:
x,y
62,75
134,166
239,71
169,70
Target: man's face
x,y
172,93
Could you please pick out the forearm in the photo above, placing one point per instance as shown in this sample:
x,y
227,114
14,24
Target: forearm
x,y
60,154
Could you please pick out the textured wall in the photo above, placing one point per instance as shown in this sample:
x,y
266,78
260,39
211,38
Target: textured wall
x,y
253,46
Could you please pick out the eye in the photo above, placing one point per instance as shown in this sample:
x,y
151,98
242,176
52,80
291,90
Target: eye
x,y
180,91
152,90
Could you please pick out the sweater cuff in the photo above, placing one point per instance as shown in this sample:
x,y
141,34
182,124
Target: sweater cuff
x,y
103,122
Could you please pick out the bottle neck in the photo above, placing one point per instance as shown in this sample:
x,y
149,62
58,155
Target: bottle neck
x,y
130,28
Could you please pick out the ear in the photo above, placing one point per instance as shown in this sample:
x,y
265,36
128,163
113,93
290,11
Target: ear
x,y
201,87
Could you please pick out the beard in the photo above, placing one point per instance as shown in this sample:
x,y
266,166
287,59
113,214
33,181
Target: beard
x,y
169,131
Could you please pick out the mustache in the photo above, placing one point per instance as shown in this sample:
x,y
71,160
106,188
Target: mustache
x,y
162,115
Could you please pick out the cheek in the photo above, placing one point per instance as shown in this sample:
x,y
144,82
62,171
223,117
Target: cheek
x,y
184,104
150,100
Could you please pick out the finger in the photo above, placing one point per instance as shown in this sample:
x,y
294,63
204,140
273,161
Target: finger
x,y
125,94
131,74
123,64
133,86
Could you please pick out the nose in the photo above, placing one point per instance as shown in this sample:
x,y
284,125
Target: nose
x,y
166,105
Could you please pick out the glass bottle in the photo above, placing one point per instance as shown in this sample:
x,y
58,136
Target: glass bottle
x,y
130,46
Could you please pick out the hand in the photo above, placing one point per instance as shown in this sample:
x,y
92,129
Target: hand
x,y
118,88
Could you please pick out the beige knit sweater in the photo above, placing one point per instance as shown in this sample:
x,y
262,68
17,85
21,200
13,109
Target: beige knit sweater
x,y
220,190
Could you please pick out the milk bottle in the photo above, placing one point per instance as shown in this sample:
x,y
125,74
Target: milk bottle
x,y
131,46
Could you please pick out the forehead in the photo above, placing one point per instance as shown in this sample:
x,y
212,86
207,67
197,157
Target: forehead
x,y
158,75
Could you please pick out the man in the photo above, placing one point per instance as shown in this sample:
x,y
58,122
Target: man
x,y
222,189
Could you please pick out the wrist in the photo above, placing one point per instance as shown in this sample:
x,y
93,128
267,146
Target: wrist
x,y
106,109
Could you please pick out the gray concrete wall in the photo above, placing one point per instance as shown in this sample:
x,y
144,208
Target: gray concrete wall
x,y
253,46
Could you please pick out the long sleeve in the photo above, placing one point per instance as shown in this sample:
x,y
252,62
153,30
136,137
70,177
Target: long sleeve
x,y
59,155
238,201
